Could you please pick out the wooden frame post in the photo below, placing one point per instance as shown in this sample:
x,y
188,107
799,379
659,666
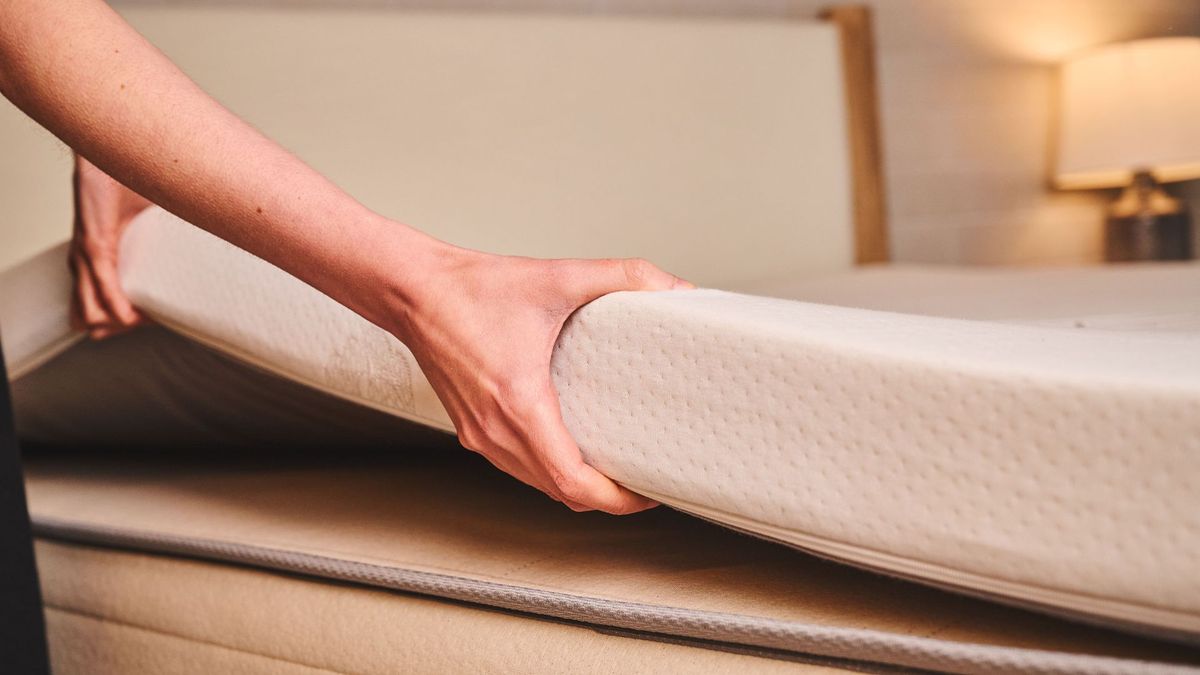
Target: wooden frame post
x,y
862,111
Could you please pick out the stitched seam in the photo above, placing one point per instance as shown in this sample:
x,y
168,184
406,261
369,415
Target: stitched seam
x,y
834,641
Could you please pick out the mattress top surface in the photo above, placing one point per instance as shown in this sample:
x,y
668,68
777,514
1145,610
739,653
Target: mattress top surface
x,y
1160,297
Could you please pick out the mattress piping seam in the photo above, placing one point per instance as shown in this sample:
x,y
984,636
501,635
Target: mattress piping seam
x,y
856,643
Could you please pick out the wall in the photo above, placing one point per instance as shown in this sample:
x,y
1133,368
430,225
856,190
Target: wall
x,y
41,216
967,96
967,91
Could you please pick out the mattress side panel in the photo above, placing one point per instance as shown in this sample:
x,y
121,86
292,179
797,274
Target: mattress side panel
x,y
227,614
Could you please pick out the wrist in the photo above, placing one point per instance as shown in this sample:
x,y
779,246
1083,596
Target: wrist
x,y
406,270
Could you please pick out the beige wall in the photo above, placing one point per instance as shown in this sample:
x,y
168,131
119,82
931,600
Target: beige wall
x,y
968,93
729,132
967,100
968,90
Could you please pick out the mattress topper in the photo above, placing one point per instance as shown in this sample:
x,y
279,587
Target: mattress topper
x,y
1040,464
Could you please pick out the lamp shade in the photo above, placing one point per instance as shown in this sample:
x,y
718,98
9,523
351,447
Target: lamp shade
x,y
1128,107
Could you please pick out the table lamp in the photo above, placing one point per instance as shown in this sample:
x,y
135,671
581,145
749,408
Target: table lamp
x,y
1130,118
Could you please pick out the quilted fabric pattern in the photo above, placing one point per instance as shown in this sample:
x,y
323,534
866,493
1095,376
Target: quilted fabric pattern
x,y
1054,459
1043,464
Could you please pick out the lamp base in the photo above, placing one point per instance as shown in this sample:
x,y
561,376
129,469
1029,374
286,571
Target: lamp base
x,y
1136,238
1145,223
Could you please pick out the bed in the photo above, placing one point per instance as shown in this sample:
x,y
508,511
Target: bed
x,y
209,496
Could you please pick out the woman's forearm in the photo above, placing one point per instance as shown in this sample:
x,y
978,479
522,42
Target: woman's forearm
x,y
482,327
117,100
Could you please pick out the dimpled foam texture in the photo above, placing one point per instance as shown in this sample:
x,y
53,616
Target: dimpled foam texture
x,y
1044,465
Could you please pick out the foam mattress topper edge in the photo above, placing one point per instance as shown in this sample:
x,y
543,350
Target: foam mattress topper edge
x,y
865,395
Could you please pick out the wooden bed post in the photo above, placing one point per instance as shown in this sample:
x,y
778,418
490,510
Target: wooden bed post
x,y
862,114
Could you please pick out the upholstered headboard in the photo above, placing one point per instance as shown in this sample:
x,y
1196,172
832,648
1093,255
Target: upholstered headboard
x,y
717,148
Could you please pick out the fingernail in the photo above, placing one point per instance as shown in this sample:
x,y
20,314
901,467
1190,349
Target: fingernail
x,y
683,285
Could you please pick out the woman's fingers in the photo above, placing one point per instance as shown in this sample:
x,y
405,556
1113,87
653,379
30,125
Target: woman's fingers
x,y
91,309
103,209
108,285
506,455
106,331
92,313
528,440
572,480
76,311
594,278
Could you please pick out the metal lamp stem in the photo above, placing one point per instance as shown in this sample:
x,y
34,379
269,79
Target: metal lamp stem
x,y
1145,223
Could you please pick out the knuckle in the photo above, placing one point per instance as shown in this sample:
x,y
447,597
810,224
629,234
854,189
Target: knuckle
x,y
519,396
470,439
568,481
638,270
93,249
481,432
623,509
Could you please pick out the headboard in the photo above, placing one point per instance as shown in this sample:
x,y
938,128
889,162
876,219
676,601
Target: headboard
x,y
716,147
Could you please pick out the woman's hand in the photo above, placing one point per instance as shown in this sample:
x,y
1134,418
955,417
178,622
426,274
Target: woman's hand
x,y
483,330
482,327
103,209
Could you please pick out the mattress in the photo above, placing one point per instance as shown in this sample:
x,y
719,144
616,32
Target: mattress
x,y
192,545
1044,459
144,613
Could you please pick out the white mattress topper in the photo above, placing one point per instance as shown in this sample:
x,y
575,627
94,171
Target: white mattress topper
x,y
1042,464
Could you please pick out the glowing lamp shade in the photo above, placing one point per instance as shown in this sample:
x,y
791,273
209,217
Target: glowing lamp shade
x,y
1128,107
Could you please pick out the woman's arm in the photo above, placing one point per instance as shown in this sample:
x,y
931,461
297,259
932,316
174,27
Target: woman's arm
x,y
77,68
481,326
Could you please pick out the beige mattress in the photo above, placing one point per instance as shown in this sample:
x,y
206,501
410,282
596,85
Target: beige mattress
x,y
1048,464
116,612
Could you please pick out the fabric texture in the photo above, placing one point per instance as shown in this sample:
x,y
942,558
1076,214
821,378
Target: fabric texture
x,y
1000,458
118,612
